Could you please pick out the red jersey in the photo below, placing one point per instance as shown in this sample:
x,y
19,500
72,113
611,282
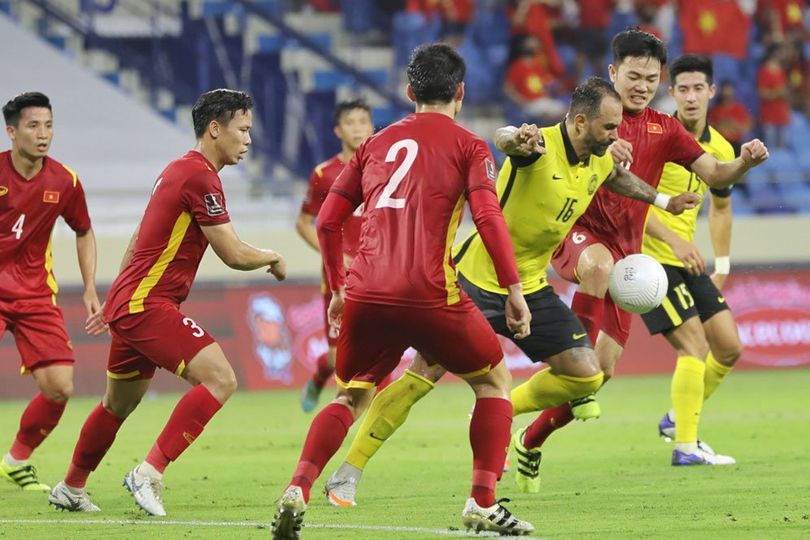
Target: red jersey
x,y
413,178
28,212
528,76
187,194
656,138
321,180
773,111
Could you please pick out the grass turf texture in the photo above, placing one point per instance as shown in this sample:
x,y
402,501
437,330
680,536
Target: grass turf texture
x,y
608,478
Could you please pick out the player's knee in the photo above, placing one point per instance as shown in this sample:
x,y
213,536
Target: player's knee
x,y
729,355
222,384
58,390
120,408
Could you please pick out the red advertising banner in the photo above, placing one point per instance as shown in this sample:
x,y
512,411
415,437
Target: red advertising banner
x,y
274,334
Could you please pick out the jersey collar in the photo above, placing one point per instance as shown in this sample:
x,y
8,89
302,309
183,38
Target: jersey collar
x,y
570,153
706,136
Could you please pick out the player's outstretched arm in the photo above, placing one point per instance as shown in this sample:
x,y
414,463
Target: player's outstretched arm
x,y
86,251
720,219
526,140
685,251
720,174
305,226
240,255
625,183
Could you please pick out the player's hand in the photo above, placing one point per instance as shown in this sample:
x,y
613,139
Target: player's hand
x,y
685,201
527,140
91,301
689,255
518,316
622,152
95,325
335,311
719,280
278,267
754,152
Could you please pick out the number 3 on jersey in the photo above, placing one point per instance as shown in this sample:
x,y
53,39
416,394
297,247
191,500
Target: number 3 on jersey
x,y
411,149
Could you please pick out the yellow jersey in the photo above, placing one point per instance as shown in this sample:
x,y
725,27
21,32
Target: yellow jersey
x,y
541,197
676,180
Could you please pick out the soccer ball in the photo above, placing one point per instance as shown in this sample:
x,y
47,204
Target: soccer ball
x,y
638,283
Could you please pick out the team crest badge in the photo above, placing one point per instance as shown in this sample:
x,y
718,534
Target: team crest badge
x,y
213,204
490,169
592,184
50,197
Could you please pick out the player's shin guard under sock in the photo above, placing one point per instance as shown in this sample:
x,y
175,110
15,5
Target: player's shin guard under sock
x,y
323,371
545,390
387,412
186,423
326,434
547,423
39,418
489,437
589,309
687,398
96,437
715,373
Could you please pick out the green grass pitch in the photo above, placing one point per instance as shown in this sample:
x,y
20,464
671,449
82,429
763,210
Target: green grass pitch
x,y
608,478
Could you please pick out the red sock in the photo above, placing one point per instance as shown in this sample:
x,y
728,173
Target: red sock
x,y
489,438
549,421
323,371
589,309
37,421
96,437
186,423
326,434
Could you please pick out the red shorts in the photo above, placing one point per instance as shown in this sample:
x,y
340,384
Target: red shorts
x,y
374,336
39,331
616,322
161,336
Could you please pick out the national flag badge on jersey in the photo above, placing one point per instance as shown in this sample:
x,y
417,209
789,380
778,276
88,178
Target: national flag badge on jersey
x,y
50,197
3,190
213,204
655,128
490,169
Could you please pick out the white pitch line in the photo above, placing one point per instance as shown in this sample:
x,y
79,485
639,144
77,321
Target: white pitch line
x,y
378,528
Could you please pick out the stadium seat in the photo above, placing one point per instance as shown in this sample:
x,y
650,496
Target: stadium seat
x,y
781,160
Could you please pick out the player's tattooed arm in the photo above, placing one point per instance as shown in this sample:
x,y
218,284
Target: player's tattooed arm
x,y
625,183
527,140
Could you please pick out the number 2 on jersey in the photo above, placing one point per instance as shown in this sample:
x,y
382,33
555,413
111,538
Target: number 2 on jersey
x,y
17,228
411,149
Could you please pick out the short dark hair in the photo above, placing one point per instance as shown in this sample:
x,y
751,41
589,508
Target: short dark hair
x,y
588,97
637,43
343,107
687,63
220,105
13,109
434,73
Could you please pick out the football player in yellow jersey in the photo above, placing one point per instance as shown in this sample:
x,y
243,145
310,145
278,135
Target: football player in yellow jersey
x,y
694,317
547,183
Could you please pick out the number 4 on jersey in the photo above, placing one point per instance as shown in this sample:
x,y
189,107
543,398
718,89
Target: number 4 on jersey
x,y
17,228
411,149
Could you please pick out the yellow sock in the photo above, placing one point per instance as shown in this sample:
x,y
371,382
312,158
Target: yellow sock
x,y
387,412
715,372
545,389
687,397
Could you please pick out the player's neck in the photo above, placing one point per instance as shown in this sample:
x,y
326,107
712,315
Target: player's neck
x,y
580,149
695,127
25,167
210,154
346,154
447,109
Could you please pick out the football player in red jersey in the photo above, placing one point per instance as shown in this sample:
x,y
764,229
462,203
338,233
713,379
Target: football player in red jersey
x,y
35,190
353,125
613,227
185,213
414,177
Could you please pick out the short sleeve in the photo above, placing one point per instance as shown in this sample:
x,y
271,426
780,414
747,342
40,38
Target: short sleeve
x,y
204,199
481,172
75,211
315,193
349,182
682,148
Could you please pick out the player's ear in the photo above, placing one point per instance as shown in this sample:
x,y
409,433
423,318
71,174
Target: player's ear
x,y
11,132
410,94
213,129
460,92
612,73
712,91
